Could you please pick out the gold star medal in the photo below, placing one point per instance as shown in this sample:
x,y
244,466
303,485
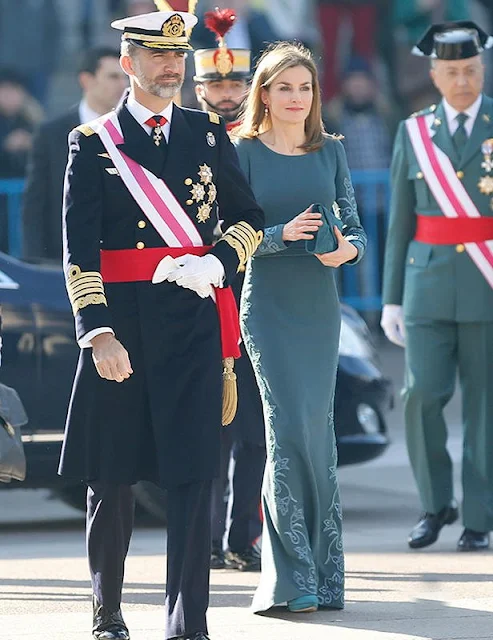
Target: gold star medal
x,y
485,185
203,212
205,174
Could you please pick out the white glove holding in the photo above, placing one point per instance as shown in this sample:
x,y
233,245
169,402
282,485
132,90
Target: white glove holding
x,y
392,323
198,273
164,268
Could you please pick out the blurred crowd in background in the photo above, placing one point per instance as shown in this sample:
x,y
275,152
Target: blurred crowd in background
x,y
369,78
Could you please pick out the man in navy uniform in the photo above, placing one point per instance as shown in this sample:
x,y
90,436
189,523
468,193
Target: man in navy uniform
x,y
221,76
438,282
153,317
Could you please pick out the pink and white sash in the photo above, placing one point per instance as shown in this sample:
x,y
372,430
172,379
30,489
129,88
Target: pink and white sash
x,y
151,193
446,187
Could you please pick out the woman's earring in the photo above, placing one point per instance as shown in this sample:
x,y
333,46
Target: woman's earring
x,y
266,110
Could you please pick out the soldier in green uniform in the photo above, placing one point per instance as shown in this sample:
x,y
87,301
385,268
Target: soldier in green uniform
x,y
438,282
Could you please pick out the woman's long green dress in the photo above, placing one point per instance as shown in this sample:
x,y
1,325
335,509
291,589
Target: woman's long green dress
x,y
291,323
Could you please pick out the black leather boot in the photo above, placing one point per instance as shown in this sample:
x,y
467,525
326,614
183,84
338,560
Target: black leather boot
x,y
108,625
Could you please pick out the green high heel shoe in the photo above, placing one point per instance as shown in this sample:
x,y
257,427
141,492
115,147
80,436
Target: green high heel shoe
x,y
303,604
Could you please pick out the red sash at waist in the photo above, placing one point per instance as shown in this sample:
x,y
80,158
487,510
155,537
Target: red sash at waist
x,y
441,230
138,265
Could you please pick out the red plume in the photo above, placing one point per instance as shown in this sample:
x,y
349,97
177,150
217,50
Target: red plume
x,y
220,21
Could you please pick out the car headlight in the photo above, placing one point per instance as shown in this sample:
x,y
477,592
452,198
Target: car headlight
x,y
368,418
352,343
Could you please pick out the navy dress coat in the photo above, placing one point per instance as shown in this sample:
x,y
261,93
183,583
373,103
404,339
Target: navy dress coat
x,y
163,423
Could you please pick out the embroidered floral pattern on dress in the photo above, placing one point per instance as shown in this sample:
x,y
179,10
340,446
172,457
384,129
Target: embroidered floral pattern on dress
x,y
272,242
348,206
331,591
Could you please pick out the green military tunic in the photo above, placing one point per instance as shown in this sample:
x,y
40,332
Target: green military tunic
x,y
448,309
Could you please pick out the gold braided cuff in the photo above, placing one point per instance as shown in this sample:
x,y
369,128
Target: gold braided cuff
x,y
244,240
84,288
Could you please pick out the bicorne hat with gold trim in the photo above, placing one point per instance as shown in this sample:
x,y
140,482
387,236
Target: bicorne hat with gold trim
x,y
160,30
453,41
221,63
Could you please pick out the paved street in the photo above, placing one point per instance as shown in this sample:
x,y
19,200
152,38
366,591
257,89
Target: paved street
x,y
392,593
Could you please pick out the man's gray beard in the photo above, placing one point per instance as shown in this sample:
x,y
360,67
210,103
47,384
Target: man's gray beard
x,y
162,92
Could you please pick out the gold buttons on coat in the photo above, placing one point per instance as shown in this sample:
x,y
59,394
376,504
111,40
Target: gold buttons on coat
x,y
140,245
460,174
189,202
419,175
141,224
460,248
188,181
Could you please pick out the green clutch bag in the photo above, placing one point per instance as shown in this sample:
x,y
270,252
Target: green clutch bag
x,y
325,240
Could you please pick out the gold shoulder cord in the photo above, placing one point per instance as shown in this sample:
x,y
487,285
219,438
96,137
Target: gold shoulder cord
x,y
84,288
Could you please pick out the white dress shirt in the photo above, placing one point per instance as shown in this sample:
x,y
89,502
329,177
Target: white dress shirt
x,y
141,114
451,115
86,114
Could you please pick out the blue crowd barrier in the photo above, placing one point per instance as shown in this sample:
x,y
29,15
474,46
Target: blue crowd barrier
x,y
360,286
11,191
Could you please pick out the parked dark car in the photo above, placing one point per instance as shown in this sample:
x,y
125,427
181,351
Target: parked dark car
x,y
39,358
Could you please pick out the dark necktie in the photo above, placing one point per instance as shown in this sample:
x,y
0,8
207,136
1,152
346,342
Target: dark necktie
x,y
460,136
157,122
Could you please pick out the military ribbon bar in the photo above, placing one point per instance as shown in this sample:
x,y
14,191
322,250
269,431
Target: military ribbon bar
x,y
447,189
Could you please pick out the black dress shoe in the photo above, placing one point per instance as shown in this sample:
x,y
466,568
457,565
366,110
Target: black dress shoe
x,y
217,558
427,530
473,541
248,560
108,625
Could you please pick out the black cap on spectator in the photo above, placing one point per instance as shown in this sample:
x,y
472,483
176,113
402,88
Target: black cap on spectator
x,y
453,41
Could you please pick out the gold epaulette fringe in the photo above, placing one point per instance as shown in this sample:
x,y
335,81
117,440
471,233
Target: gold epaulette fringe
x,y
230,392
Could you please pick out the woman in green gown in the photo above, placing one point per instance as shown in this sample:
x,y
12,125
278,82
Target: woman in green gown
x,y
291,323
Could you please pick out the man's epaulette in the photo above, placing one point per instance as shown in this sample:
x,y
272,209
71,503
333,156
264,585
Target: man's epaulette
x,y
213,117
85,129
424,112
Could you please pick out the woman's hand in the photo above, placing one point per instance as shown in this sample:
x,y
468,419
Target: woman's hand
x,y
345,252
302,227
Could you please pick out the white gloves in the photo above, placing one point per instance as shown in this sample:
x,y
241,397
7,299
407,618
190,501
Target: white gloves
x,y
392,323
198,273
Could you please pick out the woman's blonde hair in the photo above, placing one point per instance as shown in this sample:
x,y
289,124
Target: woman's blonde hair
x,y
276,59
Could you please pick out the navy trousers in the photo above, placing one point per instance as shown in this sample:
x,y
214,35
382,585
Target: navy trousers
x,y
110,514
245,462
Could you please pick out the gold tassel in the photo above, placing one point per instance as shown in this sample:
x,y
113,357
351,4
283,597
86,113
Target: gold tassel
x,y
230,392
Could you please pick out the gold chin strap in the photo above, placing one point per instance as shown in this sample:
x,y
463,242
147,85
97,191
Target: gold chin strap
x,y
230,392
